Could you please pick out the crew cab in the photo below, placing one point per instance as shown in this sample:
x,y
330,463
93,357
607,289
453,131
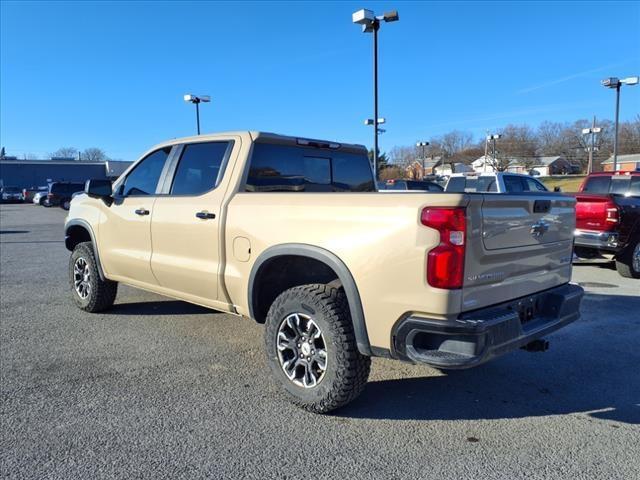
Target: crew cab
x,y
496,182
292,233
608,219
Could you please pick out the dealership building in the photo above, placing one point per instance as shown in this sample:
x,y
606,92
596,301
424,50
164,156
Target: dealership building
x,y
28,173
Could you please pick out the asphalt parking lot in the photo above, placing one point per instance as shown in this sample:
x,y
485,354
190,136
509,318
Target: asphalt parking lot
x,y
158,388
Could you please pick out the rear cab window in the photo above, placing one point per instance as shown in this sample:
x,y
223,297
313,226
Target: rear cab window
x,y
620,184
296,168
597,184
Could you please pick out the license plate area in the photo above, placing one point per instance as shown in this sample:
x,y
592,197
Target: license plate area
x,y
526,308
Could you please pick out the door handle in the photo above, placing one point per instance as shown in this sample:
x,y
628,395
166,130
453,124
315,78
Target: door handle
x,y
142,211
205,215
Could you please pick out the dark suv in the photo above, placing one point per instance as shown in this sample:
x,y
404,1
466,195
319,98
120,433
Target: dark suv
x,y
60,194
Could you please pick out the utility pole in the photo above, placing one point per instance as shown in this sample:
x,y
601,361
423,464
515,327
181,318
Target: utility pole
x,y
591,148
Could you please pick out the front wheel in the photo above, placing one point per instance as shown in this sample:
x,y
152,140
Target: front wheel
x,y
311,348
90,293
66,204
628,262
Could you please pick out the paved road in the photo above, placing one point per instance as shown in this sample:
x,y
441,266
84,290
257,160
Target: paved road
x,y
161,389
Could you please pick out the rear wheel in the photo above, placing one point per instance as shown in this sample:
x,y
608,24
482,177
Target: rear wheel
x,y
311,348
628,262
90,293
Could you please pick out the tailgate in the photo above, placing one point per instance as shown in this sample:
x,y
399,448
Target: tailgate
x,y
518,244
592,212
522,220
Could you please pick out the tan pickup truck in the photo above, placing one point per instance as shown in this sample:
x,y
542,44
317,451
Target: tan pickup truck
x,y
291,232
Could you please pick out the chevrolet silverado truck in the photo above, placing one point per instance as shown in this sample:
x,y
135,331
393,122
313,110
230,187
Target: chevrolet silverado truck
x,y
608,220
292,233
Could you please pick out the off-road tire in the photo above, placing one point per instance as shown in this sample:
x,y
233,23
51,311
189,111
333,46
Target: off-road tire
x,y
347,370
102,293
624,261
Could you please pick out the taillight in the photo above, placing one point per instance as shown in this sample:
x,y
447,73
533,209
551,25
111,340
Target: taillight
x,y
612,214
445,263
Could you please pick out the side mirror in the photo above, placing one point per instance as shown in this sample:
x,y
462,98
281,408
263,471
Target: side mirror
x,y
98,188
557,189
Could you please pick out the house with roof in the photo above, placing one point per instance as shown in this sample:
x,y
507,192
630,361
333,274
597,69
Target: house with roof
x,y
484,164
447,169
626,163
416,171
553,165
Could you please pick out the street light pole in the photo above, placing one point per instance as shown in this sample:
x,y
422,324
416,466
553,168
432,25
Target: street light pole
x,y
196,100
493,139
371,24
615,134
591,131
198,115
376,27
424,156
614,82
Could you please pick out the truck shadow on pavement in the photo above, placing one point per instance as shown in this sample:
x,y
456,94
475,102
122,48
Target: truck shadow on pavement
x,y
162,307
591,370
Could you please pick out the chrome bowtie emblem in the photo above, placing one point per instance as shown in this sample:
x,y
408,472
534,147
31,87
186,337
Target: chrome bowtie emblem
x,y
539,228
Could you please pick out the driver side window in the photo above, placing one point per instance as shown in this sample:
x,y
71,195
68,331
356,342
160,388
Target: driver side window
x,y
143,179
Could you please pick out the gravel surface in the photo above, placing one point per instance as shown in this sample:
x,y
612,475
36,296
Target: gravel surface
x,y
158,388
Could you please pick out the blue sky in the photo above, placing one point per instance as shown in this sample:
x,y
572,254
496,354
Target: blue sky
x,y
112,75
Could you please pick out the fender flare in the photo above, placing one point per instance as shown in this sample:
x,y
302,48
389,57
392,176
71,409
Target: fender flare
x,y
337,265
78,222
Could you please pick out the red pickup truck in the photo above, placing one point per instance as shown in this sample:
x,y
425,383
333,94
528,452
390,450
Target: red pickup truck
x,y
608,219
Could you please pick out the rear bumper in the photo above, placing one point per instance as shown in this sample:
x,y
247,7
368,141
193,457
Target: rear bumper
x,y
478,336
595,239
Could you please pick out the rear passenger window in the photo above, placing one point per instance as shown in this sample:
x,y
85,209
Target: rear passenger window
x,y
634,189
532,185
285,168
598,184
487,184
200,168
512,184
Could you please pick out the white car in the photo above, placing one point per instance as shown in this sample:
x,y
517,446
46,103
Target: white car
x,y
497,182
40,197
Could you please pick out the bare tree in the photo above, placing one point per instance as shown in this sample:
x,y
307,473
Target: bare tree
x,y
629,136
65,152
518,142
454,142
93,154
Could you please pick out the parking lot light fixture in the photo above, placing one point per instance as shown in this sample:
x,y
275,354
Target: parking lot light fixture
x,y
616,83
196,100
371,24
